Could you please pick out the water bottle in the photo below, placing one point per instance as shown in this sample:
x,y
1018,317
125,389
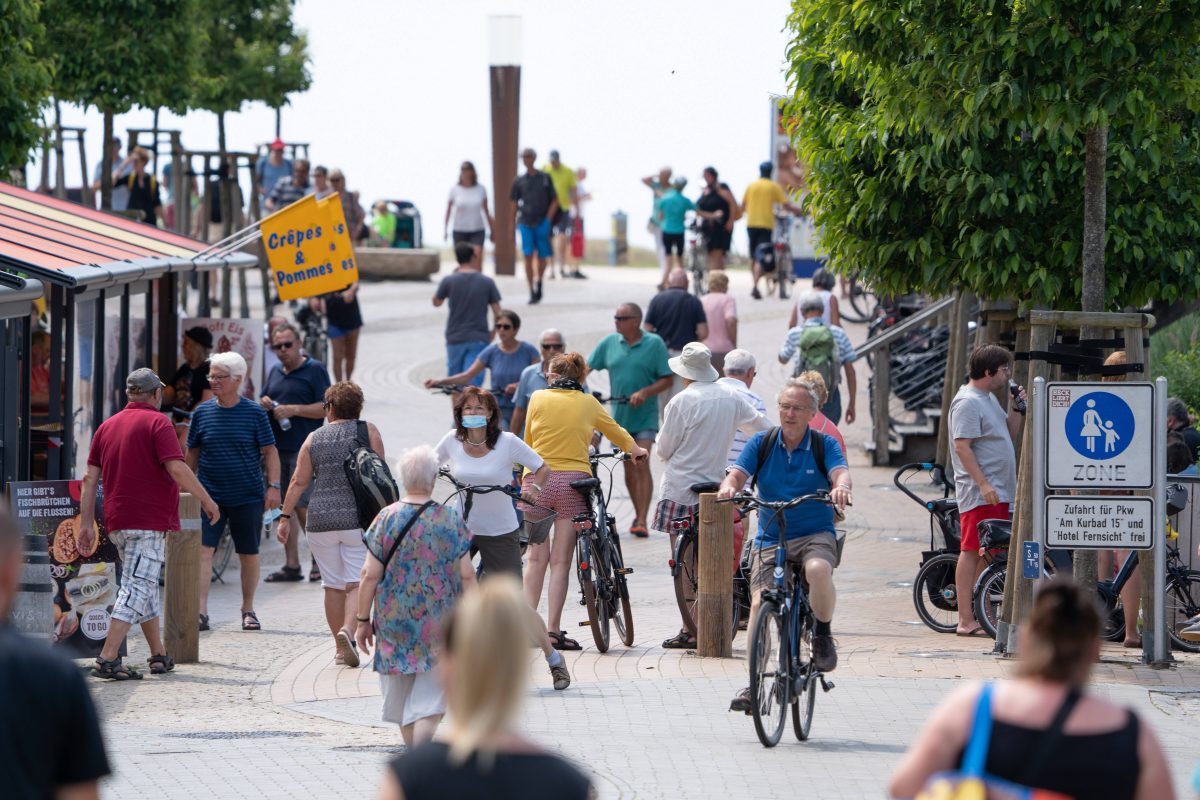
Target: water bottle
x,y
285,424
1018,403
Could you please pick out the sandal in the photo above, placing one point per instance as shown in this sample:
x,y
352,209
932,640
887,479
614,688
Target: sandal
x,y
681,641
559,641
314,574
250,621
204,622
639,531
285,574
160,665
114,670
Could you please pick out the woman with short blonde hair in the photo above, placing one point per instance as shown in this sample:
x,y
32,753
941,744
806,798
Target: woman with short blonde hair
x,y
720,310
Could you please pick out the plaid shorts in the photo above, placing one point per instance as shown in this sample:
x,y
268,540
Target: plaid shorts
x,y
667,510
142,557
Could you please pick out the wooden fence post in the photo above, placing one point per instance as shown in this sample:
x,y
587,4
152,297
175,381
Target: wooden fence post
x,y
181,603
714,597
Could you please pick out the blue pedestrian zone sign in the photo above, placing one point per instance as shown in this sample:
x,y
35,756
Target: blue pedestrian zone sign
x,y
1031,560
1099,435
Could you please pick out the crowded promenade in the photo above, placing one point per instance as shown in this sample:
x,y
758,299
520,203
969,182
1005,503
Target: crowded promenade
x,y
270,712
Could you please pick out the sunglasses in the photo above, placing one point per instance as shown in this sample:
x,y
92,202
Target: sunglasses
x,y
552,346
283,345
619,318
503,326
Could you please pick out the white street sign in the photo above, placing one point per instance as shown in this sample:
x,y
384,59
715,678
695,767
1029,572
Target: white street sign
x,y
1100,522
1099,435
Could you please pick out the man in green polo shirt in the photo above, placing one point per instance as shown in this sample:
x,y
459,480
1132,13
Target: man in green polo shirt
x,y
636,361
563,178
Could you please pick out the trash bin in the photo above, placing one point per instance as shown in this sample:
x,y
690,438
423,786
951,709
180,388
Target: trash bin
x,y
618,245
32,611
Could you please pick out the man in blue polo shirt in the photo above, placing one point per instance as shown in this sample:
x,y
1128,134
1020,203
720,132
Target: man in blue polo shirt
x,y
788,471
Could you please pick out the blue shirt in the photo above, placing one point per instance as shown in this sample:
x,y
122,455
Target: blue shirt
x,y
506,368
671,209
231,442
304,385
786,475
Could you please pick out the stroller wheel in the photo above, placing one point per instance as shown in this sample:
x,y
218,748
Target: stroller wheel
x,y
935,594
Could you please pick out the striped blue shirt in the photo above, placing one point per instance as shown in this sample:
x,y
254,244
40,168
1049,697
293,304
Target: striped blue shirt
x,y
231,442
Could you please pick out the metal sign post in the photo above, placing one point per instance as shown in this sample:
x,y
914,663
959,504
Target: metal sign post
x,y
1159,641
1038,409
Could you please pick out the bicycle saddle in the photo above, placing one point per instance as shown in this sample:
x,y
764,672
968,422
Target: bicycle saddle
x,y
704,488
585,485
994,533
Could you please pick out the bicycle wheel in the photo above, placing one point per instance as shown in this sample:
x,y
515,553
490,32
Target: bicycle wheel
x,y
589,571
989,595
221,557
806,698
622,610
935,595
783,267
769,689
1113,628
686,581
1181,602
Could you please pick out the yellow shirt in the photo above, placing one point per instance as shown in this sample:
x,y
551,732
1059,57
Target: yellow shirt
x,y
560,424
563,179
759,203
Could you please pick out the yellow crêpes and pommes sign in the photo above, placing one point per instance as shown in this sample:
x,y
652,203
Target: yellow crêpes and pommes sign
x,y
308,248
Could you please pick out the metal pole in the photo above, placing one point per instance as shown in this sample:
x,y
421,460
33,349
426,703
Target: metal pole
x,y
1039,410
1160,642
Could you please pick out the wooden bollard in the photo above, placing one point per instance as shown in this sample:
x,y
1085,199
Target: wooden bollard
x,y
181,601
714,597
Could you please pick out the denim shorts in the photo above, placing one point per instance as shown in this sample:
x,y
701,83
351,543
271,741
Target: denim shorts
x,y
459,358
536,236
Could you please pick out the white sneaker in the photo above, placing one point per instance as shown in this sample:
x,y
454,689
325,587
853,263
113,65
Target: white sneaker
x,y
1191,633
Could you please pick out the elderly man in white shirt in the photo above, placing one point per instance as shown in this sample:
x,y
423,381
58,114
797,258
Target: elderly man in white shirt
x,y
740,372
698,429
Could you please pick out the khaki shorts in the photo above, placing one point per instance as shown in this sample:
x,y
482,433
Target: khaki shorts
x,y
800,550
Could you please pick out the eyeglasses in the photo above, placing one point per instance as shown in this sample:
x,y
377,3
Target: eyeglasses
x,y
503,326
212,377
283,345
620,318
552,346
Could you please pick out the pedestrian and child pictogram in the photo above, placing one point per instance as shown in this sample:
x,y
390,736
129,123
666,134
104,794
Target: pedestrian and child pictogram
x,y
1099,435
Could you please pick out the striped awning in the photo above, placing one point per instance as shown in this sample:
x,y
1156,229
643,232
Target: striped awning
x,y
71,245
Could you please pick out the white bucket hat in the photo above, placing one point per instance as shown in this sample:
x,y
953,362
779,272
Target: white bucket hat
x,y
694,363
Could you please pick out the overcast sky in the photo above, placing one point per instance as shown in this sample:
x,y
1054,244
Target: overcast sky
x,y
400,96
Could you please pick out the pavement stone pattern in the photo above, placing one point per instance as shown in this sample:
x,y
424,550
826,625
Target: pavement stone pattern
x,y
268,714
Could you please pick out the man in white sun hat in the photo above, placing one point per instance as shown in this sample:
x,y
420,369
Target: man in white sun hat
x,y
698,428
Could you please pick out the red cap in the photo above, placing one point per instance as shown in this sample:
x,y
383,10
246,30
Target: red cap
x,y
277,144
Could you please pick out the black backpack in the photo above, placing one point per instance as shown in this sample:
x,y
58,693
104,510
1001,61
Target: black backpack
x,y
764,449
369,478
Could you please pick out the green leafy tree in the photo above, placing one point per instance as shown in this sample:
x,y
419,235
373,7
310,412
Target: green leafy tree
x,y
24,82
115,54
949,145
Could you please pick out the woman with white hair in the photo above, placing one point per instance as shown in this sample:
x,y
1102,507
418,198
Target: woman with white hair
x,y
417,566
484,671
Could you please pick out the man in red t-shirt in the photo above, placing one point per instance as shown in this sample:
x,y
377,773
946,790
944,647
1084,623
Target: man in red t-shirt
x,y
137,453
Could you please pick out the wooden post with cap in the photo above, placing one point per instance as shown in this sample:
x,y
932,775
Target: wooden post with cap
x,y
181,601
714,596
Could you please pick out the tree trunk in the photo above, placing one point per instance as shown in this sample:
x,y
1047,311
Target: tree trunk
x,y
106,164
278,122
60,180
1095,202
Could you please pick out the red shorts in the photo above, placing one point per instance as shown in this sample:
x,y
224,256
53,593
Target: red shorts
x,y
968,522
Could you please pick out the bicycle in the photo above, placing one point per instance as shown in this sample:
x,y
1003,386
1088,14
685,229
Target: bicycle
x,y
782,277
314,337
782,672
697,258
540,530
863,305
683,566
599,562
450,389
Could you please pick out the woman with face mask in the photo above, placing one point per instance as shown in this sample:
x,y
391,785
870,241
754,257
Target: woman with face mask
x,y
478,453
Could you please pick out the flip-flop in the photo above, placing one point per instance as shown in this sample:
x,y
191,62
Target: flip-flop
x,y
974,633
639,531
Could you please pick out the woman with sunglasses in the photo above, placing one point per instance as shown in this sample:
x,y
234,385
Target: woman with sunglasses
x,y
505,359
469,204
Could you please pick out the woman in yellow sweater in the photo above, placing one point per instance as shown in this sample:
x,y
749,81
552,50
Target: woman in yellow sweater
x,y
559,427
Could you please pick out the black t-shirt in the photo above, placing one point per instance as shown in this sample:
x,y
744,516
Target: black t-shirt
x,y
426,772
711,200
675,313
189,385
535,193
143,196
49,732
346,316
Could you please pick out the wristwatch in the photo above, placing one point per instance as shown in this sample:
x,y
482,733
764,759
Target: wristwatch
x,y
274,485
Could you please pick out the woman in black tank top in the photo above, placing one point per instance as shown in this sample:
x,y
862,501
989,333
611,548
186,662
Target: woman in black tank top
x,y
717,196
1045,732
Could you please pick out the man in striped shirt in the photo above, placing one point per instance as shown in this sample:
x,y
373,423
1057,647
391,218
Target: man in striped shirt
x,y
811,308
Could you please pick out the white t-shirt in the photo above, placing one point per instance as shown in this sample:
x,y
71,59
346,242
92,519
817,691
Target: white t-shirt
x,y
468,207
492,514
826,314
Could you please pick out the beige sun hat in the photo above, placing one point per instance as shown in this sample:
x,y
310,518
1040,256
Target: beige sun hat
x,y
694,362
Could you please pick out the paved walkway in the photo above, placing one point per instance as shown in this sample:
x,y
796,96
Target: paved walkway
x,y
269,715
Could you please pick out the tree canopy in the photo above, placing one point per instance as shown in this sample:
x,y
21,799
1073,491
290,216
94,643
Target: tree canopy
x,y
24,82
945,142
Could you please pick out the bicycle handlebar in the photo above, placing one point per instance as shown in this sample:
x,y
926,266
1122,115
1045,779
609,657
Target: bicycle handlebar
x,y
617,454
478,489
745,499
618,399
448,388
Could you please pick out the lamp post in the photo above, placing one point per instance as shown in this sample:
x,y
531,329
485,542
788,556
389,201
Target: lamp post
x,y
504,60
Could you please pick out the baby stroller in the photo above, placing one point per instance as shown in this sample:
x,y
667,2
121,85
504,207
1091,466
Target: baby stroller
x,y
408,225
934,592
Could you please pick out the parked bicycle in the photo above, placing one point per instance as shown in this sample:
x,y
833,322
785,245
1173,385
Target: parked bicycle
x,y
780,278
782,672
599,562
862,305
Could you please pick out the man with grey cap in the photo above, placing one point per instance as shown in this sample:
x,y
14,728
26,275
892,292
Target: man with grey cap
x,y
137,454
698,428
535,204
826,349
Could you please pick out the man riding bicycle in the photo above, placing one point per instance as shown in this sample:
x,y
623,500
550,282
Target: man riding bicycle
x,y
789,466
759,202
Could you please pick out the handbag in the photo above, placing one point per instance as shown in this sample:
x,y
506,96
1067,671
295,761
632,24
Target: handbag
x,y
970,782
